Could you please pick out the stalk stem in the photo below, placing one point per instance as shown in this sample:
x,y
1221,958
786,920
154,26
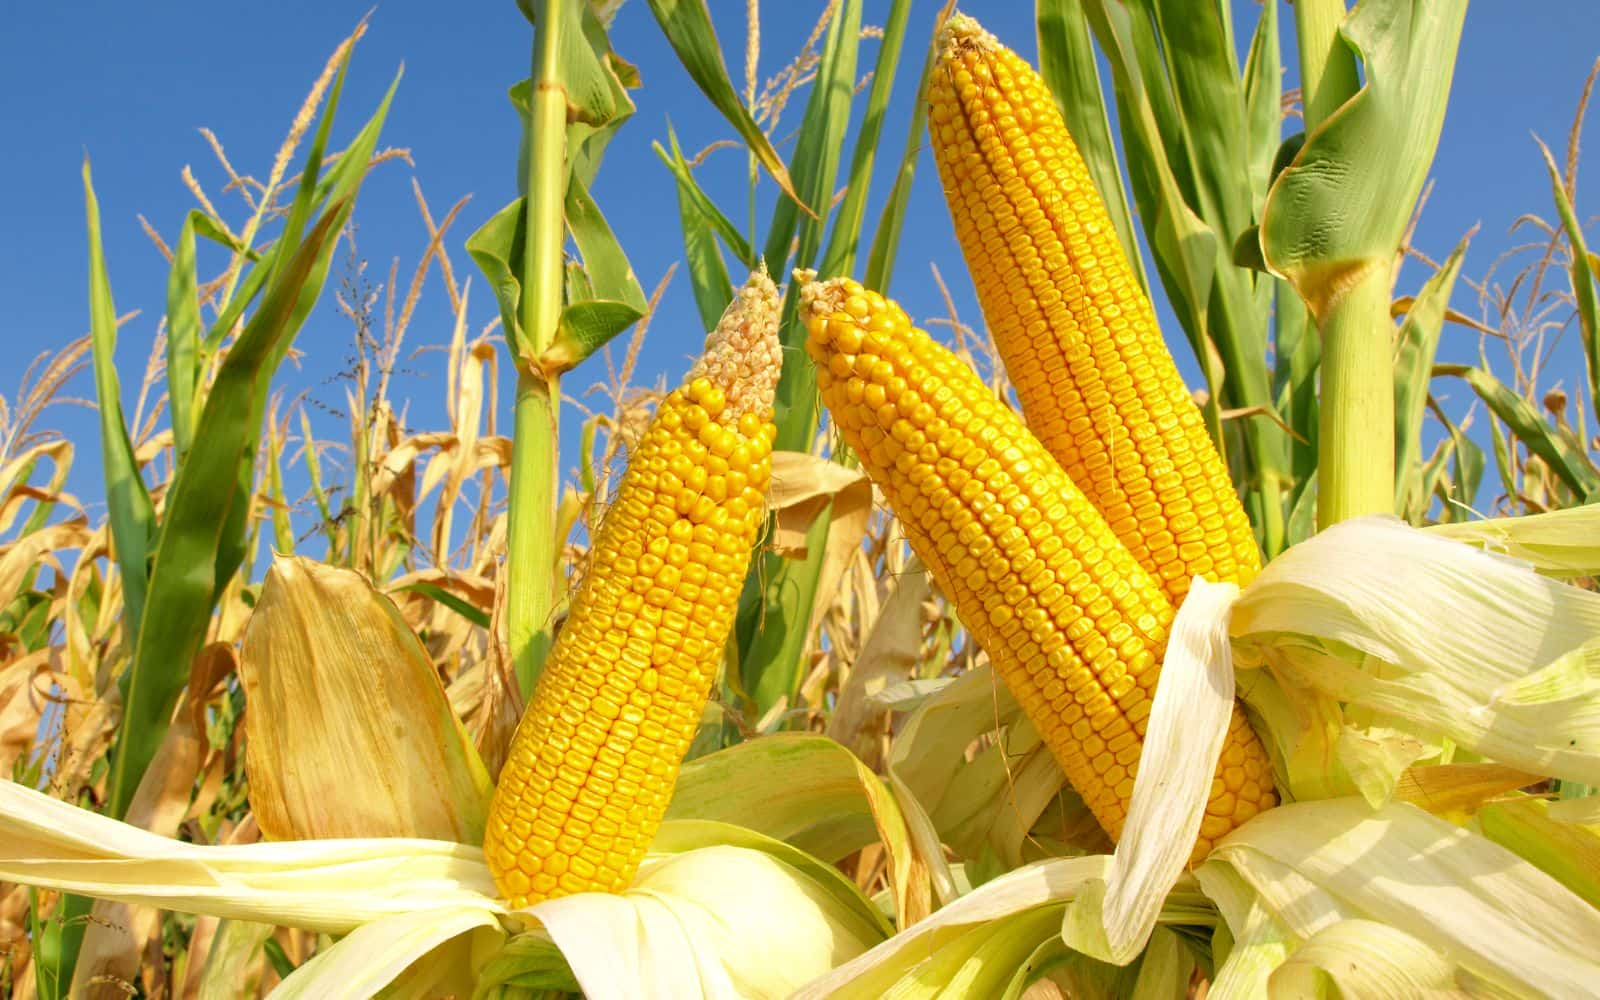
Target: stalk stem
x,y
1355,429
531,537
530,590
1270,488
1327,69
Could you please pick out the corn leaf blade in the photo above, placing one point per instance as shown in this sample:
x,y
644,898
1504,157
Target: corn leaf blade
x,y
1569,464
687,24
128,508
1415,348
183,336
1583,279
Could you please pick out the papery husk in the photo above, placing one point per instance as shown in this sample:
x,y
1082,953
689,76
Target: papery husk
x,y
350,733
1437,638
1495,918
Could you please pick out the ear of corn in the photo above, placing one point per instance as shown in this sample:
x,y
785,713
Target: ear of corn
x,y
1077,334
593,762
1074,626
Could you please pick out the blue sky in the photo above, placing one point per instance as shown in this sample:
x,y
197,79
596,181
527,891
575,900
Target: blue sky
x,y
131,85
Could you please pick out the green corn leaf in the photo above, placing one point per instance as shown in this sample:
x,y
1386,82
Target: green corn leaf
x,y
1184,247
1504,462
211,229
183,336
1199,55
779,594
1571,466
1583,279
204,533
343,179
128,507
342,182
433,591
1138,38
886,238
282,529
496,247
318,494
576,287
816,154
1433,482
596,81
592,86
1302,521
1415,347
840,256
1263,94
707,209
1340,209
1299,353
1456,491
254,280
203,536
1469,466
1067,63
613,300
687,24
708,274
588,481
180,598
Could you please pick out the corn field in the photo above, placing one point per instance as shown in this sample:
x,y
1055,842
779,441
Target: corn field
x,y
1188,623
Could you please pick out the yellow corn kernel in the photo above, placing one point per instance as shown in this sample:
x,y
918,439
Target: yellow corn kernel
x,y
1078,336
1074,626
593,762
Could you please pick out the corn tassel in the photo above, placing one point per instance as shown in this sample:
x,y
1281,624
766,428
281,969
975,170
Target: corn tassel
x,y
593,762
1074,626
1076,332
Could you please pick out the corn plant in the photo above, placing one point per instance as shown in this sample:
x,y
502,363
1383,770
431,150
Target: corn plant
x,y
1002,697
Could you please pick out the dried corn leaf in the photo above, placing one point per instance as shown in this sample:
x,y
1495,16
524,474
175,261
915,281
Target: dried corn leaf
x,y
802,485
889,653
119,933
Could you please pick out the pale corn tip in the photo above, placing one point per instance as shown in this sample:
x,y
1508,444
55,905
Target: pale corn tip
x,y
962,32
743,356
819,298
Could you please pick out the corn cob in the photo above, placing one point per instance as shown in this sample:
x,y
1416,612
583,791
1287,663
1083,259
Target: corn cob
x,y
1074,626
1076,332
593,762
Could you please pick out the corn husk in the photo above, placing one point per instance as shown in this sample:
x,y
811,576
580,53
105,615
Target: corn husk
x,y
350,731
1491,915
1439,638
1559,543
716,911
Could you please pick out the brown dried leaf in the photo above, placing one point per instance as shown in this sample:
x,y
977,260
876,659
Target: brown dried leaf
x,y
500,708
24,694
26,553
802,485
889,653
118,933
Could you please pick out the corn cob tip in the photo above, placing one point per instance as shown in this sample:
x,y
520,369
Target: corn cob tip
x,y
962,31
836,313
743,357
818,298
